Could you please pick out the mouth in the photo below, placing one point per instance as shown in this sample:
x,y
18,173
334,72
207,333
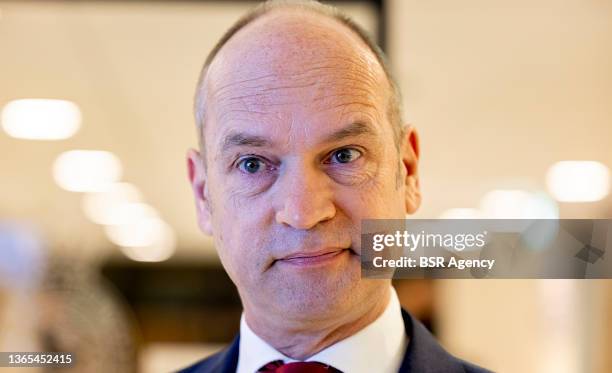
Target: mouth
x,y
317,258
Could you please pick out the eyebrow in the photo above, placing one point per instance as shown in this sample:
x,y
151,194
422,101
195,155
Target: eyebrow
x,y
236,139
352,130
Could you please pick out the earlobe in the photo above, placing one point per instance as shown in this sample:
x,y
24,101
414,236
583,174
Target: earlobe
x,y
410,160
197,179
413,196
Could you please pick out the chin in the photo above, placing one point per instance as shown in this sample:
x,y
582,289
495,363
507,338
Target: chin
x,y
321,300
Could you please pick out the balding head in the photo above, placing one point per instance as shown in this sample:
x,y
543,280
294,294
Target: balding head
x,y
292,39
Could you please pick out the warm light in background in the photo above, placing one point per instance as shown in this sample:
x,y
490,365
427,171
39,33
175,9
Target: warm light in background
x,y
103,207
41,119
140,233
461,213
86,170
148,239
578,181
518,204
154,253
132,225
130,213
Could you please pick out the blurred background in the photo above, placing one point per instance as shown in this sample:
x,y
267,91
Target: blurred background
x,y
100,253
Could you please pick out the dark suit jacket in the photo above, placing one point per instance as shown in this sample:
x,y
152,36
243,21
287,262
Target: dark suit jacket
x,y
423,355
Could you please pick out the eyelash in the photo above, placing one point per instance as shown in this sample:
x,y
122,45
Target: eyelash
x,y
269,167
242,159
331,155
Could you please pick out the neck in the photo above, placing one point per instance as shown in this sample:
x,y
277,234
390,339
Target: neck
x,y
300,339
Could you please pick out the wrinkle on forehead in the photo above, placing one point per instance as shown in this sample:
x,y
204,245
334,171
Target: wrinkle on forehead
x,y
323,90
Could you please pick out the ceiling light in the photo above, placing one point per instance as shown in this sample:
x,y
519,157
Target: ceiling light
x,y
149,253
147,240
518,204
105,207
86,170
461,213
41,119
578,181
140,233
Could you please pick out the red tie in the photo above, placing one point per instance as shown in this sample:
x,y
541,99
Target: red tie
x,y
278,366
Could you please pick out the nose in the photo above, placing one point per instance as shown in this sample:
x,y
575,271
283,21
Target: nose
x,y
305,198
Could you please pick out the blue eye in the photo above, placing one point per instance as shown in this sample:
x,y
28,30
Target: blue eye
x,y
346,155
251,165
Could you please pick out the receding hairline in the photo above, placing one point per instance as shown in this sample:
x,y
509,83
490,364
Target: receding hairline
x,y
315,8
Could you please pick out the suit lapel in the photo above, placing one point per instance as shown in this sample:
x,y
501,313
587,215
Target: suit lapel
x,y
225,361
424,354
228,361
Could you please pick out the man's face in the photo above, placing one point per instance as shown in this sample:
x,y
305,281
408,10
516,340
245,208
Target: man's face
x,y
299,149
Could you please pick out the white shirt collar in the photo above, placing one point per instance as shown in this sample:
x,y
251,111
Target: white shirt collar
x,y
381,344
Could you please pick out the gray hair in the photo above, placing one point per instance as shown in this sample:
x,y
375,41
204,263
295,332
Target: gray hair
x,y
393,107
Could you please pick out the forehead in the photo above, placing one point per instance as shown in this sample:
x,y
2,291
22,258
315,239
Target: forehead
x,y
306,70
286,40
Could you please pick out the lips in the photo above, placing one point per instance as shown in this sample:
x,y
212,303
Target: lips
x,y
312,254
313,258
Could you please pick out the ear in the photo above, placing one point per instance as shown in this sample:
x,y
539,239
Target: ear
x,y
410,161
197,178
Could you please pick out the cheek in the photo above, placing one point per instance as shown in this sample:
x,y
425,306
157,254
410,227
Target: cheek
x,y
377,199
234,244
240,232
